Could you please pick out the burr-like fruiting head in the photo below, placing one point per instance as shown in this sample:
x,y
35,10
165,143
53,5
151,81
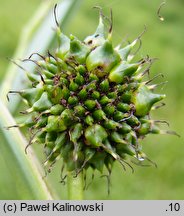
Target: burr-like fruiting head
x,y
89,104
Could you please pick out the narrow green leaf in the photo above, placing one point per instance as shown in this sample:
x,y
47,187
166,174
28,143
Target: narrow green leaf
x,y
28,163
36,37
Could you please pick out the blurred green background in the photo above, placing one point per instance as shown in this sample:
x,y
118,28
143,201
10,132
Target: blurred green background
x,y
163,40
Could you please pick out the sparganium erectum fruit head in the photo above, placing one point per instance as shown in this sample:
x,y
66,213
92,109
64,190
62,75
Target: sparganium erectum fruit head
x,y
89,103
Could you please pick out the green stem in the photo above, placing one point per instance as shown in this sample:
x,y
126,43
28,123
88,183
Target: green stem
x,y
75,186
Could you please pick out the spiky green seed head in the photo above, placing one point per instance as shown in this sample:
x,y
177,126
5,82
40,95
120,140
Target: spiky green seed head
x,y
90,105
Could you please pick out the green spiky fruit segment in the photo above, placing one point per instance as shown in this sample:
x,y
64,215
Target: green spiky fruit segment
x,y
90,105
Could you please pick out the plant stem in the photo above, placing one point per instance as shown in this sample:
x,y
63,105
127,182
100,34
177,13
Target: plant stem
x,y
75,186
